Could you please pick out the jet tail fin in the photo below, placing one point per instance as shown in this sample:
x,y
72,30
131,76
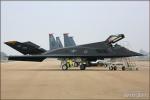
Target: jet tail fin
x,y
72,42
68,41
52,42
59,42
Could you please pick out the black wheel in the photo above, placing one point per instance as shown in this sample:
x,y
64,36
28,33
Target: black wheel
x,y
76,64
82,67
115,68
123,68
64,67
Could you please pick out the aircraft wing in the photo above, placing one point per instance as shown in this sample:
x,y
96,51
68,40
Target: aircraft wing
x,y
37,58
26,47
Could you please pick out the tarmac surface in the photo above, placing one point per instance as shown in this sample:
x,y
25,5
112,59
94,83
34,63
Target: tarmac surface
x,y
46,80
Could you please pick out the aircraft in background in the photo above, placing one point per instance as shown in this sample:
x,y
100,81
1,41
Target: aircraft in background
x,y
83,54
54,43
68,41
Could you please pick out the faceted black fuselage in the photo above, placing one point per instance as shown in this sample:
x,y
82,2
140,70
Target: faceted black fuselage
x,y
93,51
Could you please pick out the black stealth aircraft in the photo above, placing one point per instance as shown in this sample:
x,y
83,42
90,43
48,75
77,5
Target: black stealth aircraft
x,y
83,54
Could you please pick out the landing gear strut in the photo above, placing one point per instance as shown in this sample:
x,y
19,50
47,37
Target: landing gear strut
x,y
67,63
76,64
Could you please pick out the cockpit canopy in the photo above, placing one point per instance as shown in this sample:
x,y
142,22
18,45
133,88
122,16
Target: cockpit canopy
x,y
114,38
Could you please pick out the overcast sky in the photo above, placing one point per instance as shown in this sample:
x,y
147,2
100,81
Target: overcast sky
x,y
86,21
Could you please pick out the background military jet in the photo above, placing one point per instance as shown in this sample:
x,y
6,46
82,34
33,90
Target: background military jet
x,y
68,41
54,43
83,54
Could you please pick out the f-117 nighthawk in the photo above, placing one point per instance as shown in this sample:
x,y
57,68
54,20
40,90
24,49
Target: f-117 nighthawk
x,y
82,55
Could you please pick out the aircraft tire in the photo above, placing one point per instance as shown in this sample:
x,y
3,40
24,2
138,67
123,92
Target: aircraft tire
x,y
82,67
115,68
123,68
64,67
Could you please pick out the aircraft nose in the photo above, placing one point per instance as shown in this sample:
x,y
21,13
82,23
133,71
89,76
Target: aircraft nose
x,y
137,54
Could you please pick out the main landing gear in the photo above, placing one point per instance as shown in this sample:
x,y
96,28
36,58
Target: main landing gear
x,y
64,67
68,63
